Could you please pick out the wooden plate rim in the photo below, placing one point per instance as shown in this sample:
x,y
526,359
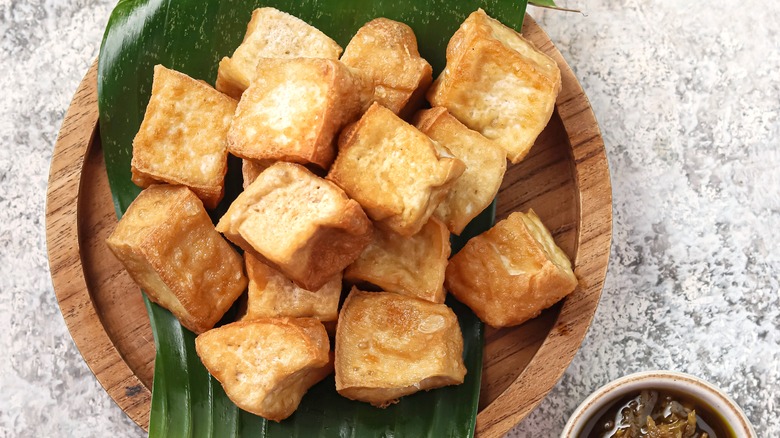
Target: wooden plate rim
x,y
64,252
521,396
591,257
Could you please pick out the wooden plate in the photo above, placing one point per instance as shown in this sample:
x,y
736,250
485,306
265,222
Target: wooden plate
x,y
565,179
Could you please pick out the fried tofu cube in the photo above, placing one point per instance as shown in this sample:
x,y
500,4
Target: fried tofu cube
x,y
485,167
510,273
250,170
167,243
298,223
182,139
271,295
386,51
267,365
394,171
412,266
497,83
295,108
390,345
271,33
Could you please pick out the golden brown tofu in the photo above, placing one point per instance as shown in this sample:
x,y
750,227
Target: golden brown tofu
x,y
386,51
411,266
498,84
271,295
267,365
299,223
390,345
394,171
510,273
485,166
251,169
295,108
182,139
271,34
167,243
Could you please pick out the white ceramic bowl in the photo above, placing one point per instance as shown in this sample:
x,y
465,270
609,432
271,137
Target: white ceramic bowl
x,y
660,380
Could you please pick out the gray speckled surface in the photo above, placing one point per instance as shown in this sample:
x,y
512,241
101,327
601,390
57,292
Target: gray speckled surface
x,y
688,98
48,391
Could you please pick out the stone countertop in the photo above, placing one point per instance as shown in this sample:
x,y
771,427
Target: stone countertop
x,y
688,97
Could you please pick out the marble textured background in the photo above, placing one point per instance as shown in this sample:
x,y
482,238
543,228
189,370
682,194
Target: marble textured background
x,y
688,98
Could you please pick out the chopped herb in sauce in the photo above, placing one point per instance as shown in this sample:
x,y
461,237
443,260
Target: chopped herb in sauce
x,y
654,414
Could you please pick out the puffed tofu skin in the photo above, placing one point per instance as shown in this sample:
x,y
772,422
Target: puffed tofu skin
x,y
390,345
510,273
412,266
266,366
271,294
386,51
485,167
182,139
295,108
498,84
298,223
167,243
394,171
271,34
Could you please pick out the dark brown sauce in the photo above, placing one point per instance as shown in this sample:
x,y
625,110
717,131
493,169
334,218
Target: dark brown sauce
x,y
613,420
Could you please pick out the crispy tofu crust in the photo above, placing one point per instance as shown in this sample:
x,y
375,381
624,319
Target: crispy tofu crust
x,y
485,163
390,345
182,139
412,266
271,34
302,225
267,365
510,273
251,169
394,171
167,243
497,83
295,108
272,295
386,51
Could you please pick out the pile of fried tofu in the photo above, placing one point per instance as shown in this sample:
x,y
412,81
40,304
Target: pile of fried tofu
x,y
351,188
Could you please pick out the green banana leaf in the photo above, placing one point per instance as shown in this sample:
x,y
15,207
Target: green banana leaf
x,y
550,4
192,36
543,3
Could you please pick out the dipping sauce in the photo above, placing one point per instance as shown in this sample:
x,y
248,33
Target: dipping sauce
x,y
657,414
